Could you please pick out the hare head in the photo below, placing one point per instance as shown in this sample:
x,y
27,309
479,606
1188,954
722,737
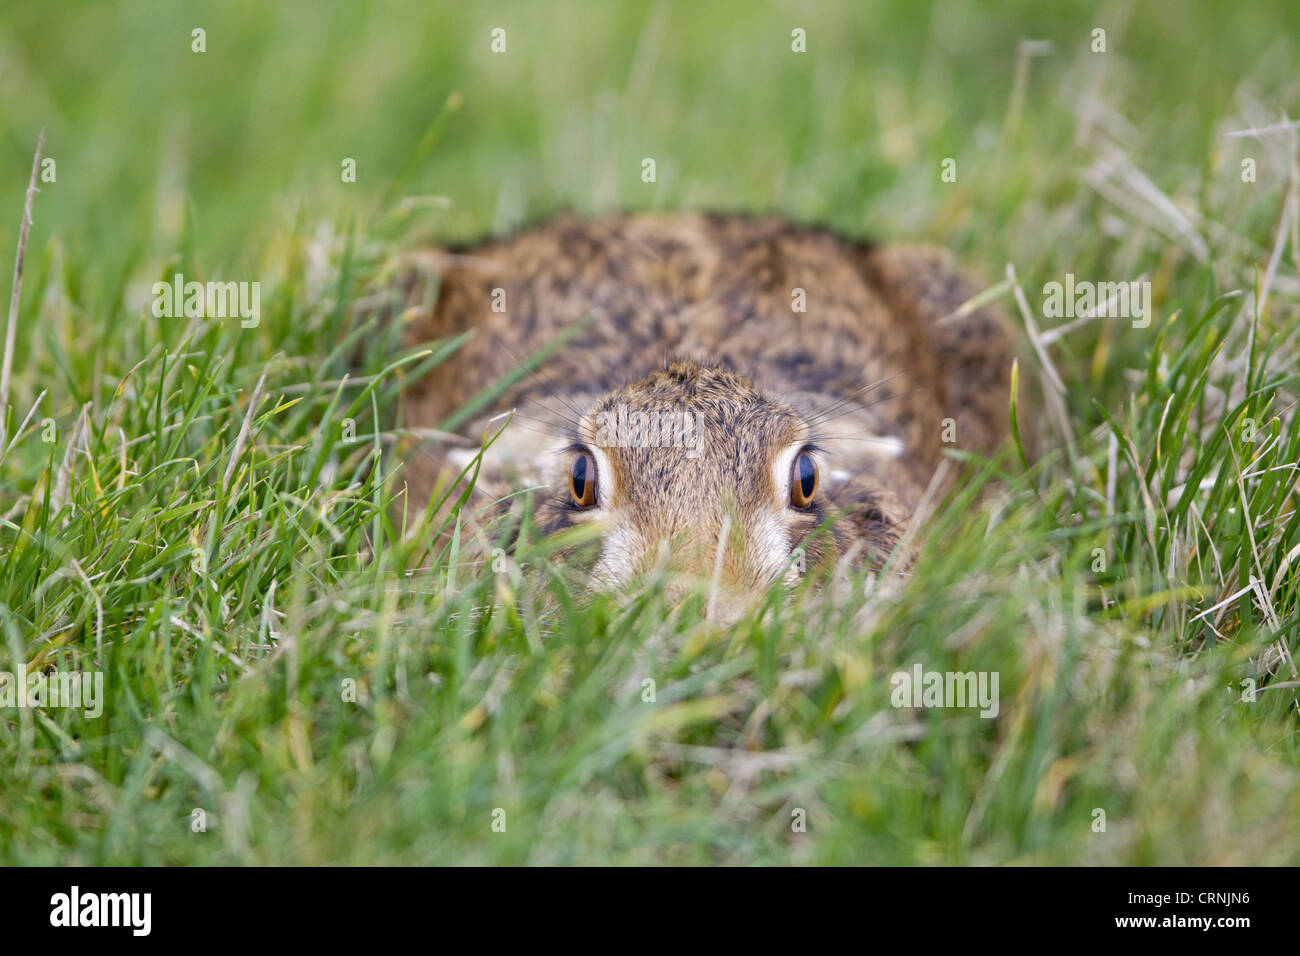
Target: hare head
x,y
696,473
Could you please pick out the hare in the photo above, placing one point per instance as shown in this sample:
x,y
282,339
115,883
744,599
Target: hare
x,y
727,389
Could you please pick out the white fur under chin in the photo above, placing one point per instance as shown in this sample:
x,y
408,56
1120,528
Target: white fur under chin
x,y
769,549
622,550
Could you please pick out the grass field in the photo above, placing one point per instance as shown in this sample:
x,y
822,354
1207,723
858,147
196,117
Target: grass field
x,y
200,511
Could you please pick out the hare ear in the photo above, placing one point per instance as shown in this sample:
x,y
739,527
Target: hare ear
x,y
518,453
873,519
972,354
849,432
870,510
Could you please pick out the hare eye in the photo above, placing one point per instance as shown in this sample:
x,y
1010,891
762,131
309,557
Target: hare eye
x,y
803,480
582,481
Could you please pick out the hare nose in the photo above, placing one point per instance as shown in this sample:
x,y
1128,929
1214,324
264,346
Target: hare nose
x,y
723,605
711,568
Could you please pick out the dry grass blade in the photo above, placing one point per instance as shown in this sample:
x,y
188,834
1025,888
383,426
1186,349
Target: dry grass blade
x,y
11,328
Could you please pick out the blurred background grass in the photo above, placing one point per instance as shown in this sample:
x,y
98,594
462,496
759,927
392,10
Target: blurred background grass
x,y
250,134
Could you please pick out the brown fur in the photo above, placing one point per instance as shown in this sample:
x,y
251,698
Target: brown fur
x,y
694,312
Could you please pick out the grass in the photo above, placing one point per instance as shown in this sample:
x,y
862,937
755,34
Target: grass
x,y
271,658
